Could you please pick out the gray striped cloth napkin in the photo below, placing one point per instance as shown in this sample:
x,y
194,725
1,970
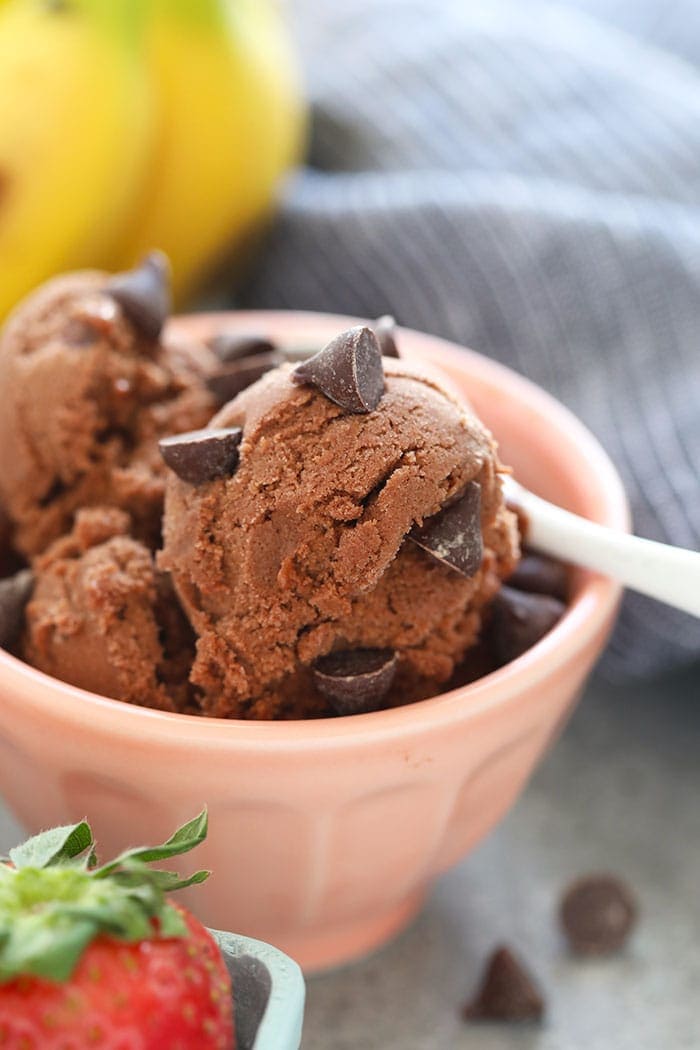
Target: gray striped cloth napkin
x,y
524,178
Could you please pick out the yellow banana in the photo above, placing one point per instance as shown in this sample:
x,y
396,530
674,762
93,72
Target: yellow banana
x,y
230,121
75,128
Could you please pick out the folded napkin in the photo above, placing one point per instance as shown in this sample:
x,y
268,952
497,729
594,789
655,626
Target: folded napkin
x,y
524,178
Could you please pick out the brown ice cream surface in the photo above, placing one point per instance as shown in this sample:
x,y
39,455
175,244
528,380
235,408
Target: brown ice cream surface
x,y
303,550
103,618
85,399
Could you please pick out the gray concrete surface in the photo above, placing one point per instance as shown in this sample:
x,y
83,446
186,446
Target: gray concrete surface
x,y
621,792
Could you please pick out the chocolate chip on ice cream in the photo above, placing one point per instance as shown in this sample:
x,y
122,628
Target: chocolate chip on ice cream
x,y
454,535
538,574
385,331
229,379
356,680
144,294
519,620
15,592
202,455
232,346
348,370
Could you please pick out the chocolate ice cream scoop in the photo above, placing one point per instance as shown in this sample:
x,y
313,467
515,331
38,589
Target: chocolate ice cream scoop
x,y
303,549
102,617
88,388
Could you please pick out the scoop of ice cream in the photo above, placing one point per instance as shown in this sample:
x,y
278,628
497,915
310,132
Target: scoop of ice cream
x,y
87,390
103,618
303,550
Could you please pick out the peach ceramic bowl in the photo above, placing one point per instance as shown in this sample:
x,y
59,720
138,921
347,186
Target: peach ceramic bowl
x,y
325,835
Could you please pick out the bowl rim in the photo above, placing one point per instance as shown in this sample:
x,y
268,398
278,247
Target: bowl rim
x,y
590,610
282,1020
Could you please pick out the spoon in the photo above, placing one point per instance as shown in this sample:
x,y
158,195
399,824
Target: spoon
x,y
669,574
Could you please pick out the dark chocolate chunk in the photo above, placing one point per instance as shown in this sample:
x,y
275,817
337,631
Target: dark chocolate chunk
x,y
202,455
232,346
348,370
453,536
538,574
385,331
355,680
144,294
507,992
235,376
518,620
10,560
15,592
598,913
478,661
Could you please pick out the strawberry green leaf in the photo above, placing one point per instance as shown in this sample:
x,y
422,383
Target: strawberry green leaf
x,y
167,881
55,846
42,950
172,923
184,840
177,883
52,905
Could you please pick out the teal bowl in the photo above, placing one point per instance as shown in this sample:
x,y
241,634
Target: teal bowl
x,y
268,993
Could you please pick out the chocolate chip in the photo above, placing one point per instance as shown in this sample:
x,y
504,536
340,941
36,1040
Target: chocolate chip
x,y
385,331
453,536
232,346
15,592
507,992
518,620
144,294
537,574
478,661
598,913
348,370
235,376
202,455
355,680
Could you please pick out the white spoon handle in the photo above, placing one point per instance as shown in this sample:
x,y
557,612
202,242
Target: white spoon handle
x,y
669,574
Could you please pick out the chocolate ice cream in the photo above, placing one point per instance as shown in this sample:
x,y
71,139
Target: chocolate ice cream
x,y
320,523
103,618
333,538
88,387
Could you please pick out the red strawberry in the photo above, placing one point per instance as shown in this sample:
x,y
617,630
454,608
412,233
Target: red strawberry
x,y
96,958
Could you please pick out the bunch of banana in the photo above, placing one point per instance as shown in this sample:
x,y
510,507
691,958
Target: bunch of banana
x,y
76,120
132,124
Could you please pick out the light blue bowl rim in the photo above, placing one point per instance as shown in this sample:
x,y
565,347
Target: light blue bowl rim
x,y
283,1018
